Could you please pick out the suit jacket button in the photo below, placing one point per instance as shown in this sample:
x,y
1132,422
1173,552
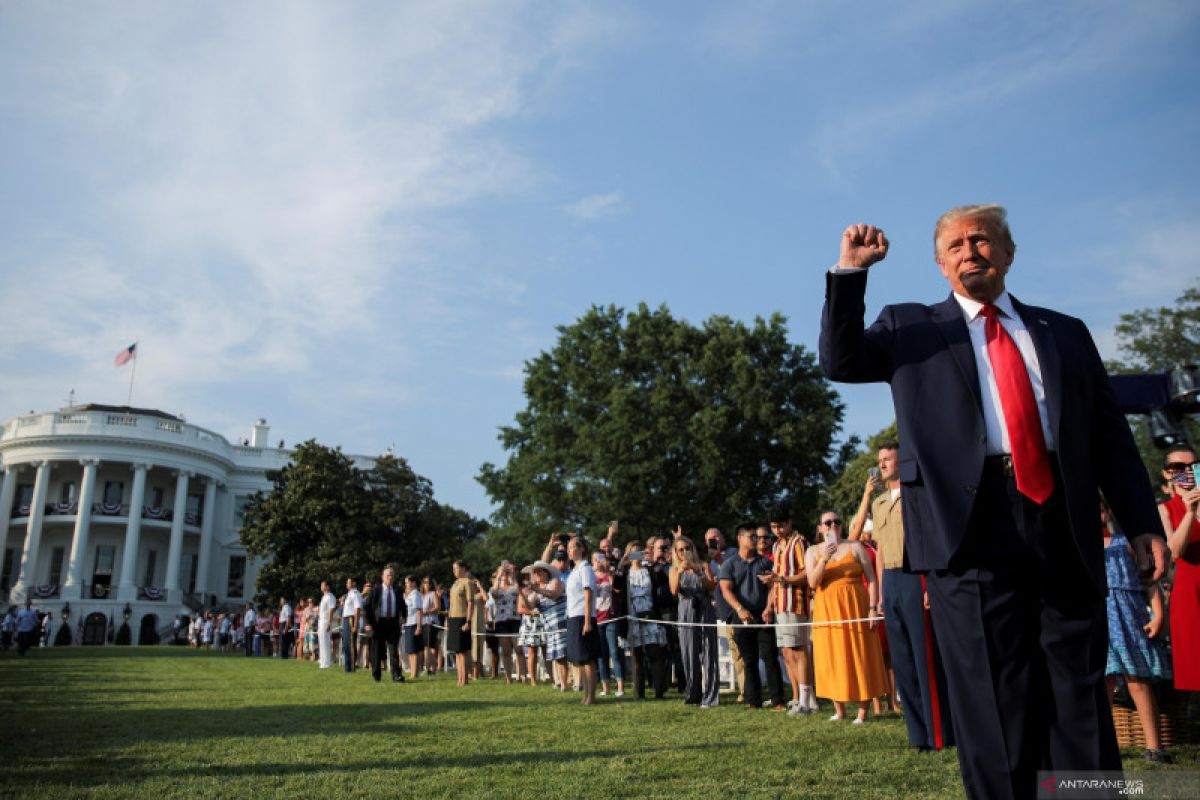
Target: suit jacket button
x,y
970,490
983,439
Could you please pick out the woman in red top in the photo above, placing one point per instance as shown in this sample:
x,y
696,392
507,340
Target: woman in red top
x,y
1183,537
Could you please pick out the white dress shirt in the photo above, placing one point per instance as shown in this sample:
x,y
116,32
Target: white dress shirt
x,y
325,612
351,604
993,414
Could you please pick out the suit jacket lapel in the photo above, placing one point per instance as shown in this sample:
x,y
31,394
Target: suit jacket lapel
x,y
1048,359
948,316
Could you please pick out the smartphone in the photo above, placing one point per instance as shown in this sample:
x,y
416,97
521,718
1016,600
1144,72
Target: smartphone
x,y
1196,473
875,473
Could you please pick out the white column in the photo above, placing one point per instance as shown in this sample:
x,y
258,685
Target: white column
x,y
6,502
206,535
127,588
33,534
176,548
83,524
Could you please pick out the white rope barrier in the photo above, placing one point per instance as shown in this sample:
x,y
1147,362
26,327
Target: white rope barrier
x,y
677,624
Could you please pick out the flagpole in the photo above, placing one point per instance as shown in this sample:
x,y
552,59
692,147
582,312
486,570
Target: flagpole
x,y
132,373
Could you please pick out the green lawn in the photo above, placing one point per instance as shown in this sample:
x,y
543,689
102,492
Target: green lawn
x,y
164,722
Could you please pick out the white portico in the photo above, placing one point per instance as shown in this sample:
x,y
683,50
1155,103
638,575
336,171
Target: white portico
x,y
118,510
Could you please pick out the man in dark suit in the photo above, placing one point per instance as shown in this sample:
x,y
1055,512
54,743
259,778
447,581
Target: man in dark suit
x,y
1008,433
385,612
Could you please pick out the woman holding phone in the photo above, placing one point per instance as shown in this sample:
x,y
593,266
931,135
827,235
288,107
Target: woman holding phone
x,y
1179,517
692,583
847,657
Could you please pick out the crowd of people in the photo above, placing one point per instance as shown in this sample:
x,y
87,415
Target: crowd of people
x,y
25,628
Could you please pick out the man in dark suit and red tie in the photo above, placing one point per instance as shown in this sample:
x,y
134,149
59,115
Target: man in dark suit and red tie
x,y
1008,433
385,612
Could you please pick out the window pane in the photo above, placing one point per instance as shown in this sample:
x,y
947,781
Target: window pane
x,y
237,573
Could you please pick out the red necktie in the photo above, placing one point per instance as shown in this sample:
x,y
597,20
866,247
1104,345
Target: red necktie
x,y
1030,461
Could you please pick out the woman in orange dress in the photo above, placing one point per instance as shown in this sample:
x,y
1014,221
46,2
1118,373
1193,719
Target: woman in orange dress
x,y
847,658
1179,515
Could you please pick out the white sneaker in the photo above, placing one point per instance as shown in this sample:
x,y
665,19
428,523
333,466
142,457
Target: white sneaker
x,y
604,692
796,711
857,721
618,693
836,718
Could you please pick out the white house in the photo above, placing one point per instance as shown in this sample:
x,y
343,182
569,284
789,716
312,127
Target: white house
x,y
112,511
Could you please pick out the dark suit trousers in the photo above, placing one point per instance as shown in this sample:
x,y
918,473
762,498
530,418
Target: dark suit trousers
x,y
916,682
1023,637
758,644
387,637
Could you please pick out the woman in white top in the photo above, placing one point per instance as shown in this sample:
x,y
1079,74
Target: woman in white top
x,y
414,626
583,635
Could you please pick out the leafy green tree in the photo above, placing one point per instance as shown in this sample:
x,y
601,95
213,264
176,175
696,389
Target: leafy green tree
x,y
326,519
654,421
844,493
1156,340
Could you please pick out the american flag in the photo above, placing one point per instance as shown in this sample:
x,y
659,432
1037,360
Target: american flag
x,y
126,355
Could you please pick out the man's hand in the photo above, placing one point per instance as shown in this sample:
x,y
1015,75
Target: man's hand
x,y
1151,555
862,246
744,615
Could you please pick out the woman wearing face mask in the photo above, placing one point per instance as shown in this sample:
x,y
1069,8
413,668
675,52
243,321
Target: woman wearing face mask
x,y
1179,515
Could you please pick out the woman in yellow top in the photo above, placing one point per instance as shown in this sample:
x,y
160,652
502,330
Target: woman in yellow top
x,y
458,622
847,657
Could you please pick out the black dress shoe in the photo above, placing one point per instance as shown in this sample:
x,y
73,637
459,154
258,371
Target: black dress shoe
x,y
397,679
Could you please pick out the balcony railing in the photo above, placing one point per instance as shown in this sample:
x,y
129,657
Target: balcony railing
x,y
192,518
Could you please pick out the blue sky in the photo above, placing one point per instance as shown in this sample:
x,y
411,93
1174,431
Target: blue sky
x,y
358,220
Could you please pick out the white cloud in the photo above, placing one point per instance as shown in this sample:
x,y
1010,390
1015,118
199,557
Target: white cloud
x,y
252,185
596,206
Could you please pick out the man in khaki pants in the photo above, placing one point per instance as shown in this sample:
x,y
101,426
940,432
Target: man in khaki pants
x,y
717,552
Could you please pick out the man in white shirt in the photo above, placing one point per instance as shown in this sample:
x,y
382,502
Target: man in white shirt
x,y
325,626
1009,430
248,621
351,610
287,630
384,610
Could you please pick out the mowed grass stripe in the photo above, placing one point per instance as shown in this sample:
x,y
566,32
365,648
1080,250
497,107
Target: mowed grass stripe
x,y
166,722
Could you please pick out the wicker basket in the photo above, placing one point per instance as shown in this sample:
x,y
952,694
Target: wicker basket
x,y
1177,719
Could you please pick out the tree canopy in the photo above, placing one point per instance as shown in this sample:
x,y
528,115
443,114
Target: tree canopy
x,y
326,519
1156,340
653,421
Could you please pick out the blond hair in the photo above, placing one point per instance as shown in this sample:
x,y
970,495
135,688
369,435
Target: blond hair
x,y
996,217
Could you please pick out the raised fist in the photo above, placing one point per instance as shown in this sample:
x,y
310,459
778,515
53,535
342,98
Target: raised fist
x,y
862,246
